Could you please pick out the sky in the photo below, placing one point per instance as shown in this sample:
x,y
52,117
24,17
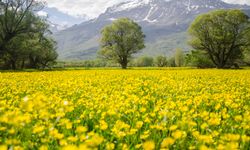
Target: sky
x,y
93,8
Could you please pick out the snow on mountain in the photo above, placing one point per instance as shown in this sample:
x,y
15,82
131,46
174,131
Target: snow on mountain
x,y
126,6
58,20
161,11
54,28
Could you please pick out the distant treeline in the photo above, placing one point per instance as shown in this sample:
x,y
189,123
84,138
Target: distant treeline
x,y
24,36
193,58
146,61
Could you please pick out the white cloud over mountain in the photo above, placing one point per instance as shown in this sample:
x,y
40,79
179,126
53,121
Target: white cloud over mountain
x,y
92,8
79,8
238,1
42,13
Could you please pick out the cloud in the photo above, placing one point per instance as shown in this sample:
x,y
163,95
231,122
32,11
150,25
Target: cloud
x,y
93,8
79,8
42,13
238,1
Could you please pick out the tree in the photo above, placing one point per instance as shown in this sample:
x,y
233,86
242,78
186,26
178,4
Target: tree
x,y
161,61
198,59
24,36
179,57
15,52
43,54
222,34
145,61
121,40
16,18
171,62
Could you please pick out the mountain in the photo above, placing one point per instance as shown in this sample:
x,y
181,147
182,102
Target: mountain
x,y
58,20
57,27
164,23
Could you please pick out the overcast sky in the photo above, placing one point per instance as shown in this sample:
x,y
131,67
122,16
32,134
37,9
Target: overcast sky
x,y
92,8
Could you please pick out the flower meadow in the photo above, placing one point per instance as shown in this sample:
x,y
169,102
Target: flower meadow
x,y
125,109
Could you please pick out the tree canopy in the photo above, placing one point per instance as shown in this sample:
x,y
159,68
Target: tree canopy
x,y
222,34
121,40
24,35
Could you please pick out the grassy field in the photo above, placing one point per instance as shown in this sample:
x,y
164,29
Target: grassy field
x,y
125,109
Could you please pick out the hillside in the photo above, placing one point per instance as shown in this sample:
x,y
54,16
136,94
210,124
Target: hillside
x,y
164,23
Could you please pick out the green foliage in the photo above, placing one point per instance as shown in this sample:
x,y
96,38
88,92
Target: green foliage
x,y
161,61
246,58
121,40
85,63
222,35
43,54
198,59
144,61
23,36
179,57
171,62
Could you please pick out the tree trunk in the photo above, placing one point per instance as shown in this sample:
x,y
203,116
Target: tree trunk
x,y
124,63
220,66
32,62
124,66
23,64
13,64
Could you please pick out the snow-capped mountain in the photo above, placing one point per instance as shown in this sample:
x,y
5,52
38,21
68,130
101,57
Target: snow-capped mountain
x,y
163,22
162,11
129,5
54,28
58,20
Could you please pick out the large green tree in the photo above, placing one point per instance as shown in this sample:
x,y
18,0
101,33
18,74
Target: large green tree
x,y
121,40
24,40
16,18
222,34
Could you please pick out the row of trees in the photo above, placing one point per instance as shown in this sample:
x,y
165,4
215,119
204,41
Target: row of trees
x,y
24,36
158,61
144,61
177,60
220,39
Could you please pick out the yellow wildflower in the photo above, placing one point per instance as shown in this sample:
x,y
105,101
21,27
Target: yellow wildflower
x,y
167,142
149,145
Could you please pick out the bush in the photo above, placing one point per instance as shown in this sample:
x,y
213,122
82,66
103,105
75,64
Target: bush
x,y
198,59
161,61
144,61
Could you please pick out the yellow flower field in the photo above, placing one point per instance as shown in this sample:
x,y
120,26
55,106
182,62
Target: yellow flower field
x,y
131,109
